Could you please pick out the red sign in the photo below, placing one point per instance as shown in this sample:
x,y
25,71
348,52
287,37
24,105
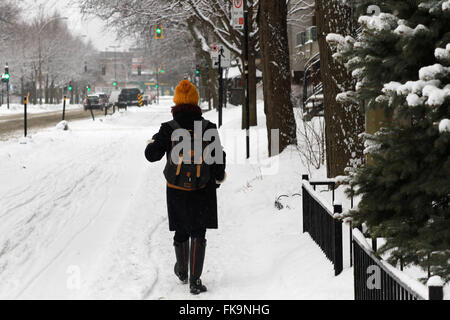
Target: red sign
x,y
214,48
238,3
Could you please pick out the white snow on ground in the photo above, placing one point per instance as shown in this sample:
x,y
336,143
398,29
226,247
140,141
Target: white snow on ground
x,y
84,216
33,109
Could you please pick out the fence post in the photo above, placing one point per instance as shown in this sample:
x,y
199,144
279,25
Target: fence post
x,y
351,243
306,206
338,259
334,192
374,244
435,288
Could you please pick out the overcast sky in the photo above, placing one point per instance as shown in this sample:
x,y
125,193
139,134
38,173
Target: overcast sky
x,y
92,27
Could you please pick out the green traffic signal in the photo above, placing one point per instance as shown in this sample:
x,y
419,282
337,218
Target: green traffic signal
x,y
7,76
115,84
70,88
162,71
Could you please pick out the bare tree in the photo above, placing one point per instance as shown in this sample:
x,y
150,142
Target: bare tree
x,y
62,54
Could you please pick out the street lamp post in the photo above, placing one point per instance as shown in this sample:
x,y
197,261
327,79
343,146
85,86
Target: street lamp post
x,y
40,53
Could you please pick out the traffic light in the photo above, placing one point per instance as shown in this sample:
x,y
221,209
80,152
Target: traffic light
x,y
70,86
159,32
115,83
162,70
197,70
139,70
88,88
157,86
6,76
104,70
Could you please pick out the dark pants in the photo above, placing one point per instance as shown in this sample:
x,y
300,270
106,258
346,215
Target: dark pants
x,y
183,236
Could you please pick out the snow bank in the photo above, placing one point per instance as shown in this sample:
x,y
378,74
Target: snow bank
x,y
32,109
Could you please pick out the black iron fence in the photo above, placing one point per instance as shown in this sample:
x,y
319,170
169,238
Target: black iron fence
x,y
373,279
321,224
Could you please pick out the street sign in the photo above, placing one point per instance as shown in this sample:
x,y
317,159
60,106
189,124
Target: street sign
x,y
226,56
237,14
214,51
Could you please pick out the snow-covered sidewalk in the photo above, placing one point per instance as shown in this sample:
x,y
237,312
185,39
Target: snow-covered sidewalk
x,y
84,216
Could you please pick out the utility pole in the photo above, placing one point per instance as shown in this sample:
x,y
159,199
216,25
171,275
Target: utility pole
x,y
239,20
25,125
247,80
157,86
5,78
7,94
115,63
40,69
220,87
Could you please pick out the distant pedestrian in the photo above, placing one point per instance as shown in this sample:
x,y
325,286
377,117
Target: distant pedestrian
x,y
192,180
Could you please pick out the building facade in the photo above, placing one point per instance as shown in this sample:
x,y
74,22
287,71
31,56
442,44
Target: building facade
x,y
302,34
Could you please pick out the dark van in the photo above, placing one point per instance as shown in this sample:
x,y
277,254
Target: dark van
x,y
129,97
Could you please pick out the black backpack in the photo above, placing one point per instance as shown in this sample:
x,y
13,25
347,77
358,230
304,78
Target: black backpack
x,y
187,175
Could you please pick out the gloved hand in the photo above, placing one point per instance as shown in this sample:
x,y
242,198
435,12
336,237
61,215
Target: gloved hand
x,y
221,180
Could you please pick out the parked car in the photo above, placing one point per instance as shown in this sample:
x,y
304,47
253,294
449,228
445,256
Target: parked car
x,y
129,97
93,102
105,100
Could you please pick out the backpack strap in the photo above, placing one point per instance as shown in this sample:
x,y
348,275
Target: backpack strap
x,y
205,124
174,125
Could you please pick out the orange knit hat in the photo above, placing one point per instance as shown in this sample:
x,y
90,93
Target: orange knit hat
x,y
186,93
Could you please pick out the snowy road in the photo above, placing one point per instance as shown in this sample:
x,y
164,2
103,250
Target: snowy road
x,y
14,123
83,215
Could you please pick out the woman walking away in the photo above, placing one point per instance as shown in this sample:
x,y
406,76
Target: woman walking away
x,y
192,175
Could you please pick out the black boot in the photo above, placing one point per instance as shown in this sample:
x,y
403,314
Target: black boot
x,y
198,247
182,254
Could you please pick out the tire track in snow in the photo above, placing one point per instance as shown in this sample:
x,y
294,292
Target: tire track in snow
x,y
53,202
49,193
61,252
154,232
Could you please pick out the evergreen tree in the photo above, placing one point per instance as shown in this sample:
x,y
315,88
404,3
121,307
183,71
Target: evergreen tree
x,y
401,61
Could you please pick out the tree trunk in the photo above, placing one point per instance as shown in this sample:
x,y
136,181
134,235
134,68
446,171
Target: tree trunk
x,y
276,73
212,75
344,123
35,79
47,90
22,87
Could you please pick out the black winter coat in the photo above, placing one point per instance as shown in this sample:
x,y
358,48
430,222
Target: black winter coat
x,y
188,211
